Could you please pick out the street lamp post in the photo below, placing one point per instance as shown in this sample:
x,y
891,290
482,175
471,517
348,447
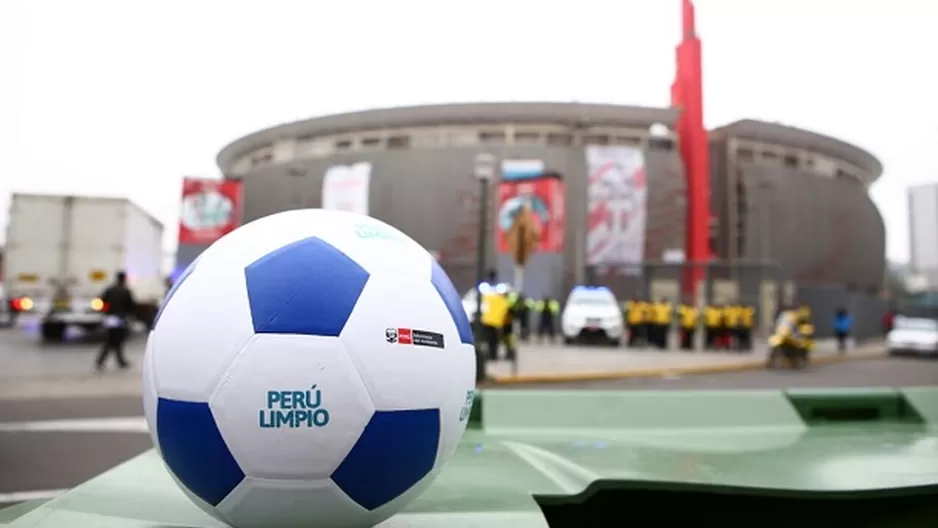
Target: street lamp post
x,y
484,171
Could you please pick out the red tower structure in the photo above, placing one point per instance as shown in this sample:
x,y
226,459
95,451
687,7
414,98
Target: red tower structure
x,y
687,97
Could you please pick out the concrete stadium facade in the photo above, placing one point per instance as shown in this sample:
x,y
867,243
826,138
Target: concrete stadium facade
x,y
422,181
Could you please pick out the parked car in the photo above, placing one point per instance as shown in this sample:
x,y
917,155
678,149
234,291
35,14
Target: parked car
x,y
913,336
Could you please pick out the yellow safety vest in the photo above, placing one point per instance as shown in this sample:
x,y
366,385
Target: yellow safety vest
x,y
496,310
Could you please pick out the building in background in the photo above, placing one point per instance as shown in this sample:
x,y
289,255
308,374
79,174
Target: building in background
x,y
923,237
798,198
776,193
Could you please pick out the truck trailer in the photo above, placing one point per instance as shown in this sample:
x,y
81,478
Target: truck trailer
x,y
63,251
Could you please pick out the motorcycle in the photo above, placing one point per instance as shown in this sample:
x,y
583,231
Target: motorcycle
x,y
791,343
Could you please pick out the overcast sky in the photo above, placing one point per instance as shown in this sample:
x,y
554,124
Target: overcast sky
x,y
124,97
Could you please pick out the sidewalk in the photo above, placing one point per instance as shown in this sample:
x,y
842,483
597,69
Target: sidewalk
x,y
28,370
558,364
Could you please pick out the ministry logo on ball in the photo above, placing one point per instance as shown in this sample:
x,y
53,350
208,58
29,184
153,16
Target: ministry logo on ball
x,y
293,409
409,336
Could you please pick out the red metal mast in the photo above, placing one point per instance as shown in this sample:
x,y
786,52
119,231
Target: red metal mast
x,y
687,97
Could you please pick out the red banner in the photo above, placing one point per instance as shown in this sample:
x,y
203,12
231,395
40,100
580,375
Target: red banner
x,y
545,196
210,210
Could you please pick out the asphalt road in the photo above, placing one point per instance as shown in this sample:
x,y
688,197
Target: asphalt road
x,y
41,461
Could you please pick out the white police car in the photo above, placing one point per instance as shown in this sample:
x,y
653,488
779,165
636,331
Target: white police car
x,y
592,313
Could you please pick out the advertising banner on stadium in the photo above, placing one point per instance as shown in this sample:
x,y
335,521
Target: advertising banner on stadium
x,y
545,197
617,196
345,187
210,209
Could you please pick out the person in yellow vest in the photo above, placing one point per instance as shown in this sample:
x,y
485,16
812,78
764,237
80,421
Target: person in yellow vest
x,y
508,339
524,317
634,320
690,318
731,315
727,323
493,321
747,321
806,329
713,319
547,310
648,323
664,312
514,300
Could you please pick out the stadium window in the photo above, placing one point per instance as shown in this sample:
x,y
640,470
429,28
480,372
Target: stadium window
x,y
627,140
371,142
559,139
492,137
596,139
463,137
791,160
262,158
769,155
527,137
745,154
399,142
343,144
661,144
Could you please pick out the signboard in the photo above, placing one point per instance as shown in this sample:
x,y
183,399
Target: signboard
x,y
545,197
345,187
515,170
617,195
210,210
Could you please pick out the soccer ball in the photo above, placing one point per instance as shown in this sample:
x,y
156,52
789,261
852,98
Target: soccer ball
x,y
310,368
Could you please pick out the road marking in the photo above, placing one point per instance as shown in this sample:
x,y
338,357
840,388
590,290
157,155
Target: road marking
x,y
134,424
25,496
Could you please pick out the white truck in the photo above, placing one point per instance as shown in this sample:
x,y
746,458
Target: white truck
x,y
63,251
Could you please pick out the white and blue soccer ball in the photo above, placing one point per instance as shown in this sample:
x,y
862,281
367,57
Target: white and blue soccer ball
x,y
311,368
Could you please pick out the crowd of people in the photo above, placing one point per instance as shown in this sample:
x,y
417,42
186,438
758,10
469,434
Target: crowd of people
x,y
508,317
724,327
504,309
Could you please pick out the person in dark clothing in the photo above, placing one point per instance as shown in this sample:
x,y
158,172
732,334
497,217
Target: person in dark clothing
x,y
843,324
119,306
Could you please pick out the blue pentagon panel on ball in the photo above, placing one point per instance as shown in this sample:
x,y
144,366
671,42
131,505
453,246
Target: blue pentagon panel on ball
x,y
194,450
172,290
307,287
395,451
452,301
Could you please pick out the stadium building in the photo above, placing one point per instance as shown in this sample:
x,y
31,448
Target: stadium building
x,y
777,193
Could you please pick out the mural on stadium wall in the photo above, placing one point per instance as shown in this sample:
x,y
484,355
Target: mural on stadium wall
x,y
527,182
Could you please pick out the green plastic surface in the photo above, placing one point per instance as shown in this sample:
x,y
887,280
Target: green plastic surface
x,y
579,458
